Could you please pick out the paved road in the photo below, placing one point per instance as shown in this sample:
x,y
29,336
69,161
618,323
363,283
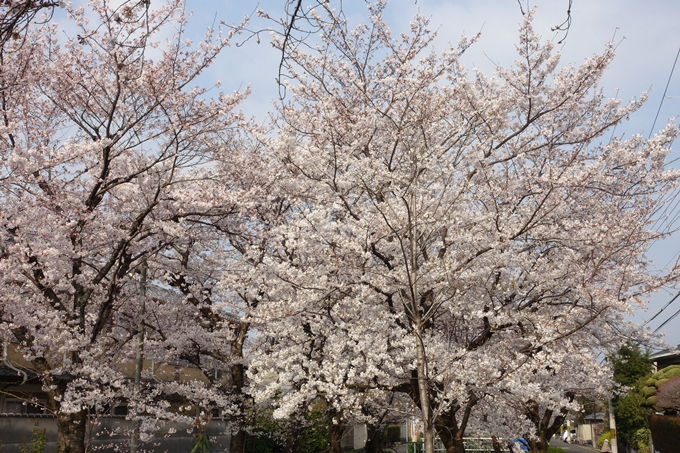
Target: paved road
x,y
572,448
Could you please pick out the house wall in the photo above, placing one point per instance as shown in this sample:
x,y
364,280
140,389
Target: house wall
x,y
588,434
584,433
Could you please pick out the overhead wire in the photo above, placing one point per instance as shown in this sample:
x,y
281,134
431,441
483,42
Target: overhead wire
x,y
660,311
664,94
666,203
667,321
669,218
664,217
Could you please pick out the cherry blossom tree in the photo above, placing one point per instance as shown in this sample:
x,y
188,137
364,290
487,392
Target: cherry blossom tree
x,y
479,219
16,16
115,164
534,402
320,352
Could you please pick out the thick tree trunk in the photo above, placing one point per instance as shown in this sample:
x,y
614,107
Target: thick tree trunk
x,y
538,445
292,439
239,439
336,431
71,428
374,439
71,432
424,394
449,433
544,428
450,430
237,444
452,442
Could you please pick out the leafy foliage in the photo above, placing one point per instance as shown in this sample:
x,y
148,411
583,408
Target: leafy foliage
x,y
657,380
392,434
316,435
631,416
604,436
632,367
630,363
38,440
641,439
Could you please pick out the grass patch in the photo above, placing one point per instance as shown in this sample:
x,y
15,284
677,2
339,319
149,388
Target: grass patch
x,y
552,449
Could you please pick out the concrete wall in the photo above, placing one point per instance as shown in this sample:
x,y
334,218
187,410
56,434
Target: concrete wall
x,y
109,431
588,434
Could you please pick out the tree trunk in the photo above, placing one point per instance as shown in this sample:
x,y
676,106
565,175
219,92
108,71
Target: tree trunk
x,y
293,438
424,394
71,432
451,431
239,439
374,439
71,428
336,431
538,445
544,429
452,442
237,444
496,445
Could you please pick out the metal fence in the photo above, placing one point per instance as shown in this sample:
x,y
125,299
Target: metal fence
x,y
472,445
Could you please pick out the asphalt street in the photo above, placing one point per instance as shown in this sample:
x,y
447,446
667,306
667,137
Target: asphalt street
x,y
572,448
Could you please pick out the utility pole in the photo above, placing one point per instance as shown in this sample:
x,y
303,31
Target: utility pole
x,y
612,429
139,359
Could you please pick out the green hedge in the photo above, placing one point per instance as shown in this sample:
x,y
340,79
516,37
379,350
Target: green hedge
x,y
656,381
605,435
665,433
392,434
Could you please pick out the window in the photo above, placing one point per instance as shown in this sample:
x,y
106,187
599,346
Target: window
x,y
120,410
17,406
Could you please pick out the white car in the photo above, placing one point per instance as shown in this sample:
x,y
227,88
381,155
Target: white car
x,y
569,436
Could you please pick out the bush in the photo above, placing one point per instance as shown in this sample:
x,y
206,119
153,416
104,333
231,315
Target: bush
x,y
605,435
668,397
38,440
416,447
656,382
641,439
665,433
392,434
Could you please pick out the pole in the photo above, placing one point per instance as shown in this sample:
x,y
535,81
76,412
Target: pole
x,y
139,359
612,429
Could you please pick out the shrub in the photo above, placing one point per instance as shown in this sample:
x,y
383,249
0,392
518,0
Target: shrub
x,y
605,435
641,439
416,447
38,440
665,433
668,397
392,434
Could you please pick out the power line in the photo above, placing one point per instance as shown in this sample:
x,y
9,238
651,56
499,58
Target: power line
x,y
659,312
668,320
664,94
